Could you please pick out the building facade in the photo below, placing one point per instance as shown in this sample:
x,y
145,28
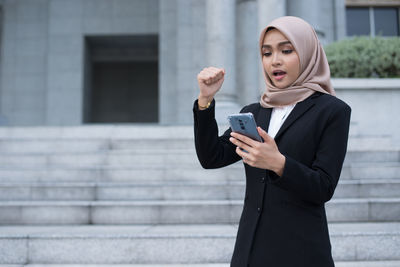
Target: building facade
x,y
73,62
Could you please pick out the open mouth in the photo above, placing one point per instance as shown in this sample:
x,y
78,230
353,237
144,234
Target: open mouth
x,y
279,74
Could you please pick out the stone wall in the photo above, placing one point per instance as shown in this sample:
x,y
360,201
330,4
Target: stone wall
x,y
375,106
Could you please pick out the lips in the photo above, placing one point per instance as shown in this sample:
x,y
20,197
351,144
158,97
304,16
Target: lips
x,y
279,74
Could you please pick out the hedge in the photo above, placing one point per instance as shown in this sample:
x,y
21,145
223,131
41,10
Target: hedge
x,y
365,57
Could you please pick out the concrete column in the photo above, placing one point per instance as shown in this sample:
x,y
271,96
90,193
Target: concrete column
x,y
220,17
268,10
247,54
340,19
167,62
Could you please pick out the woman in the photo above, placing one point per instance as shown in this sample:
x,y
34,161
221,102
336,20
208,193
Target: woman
x,y
294,172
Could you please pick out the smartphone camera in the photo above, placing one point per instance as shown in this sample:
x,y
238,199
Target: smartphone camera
x,y
241,124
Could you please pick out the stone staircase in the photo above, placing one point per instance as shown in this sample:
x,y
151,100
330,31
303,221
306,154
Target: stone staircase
x,y
119,195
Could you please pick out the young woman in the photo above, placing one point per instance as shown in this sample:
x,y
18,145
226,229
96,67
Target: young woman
x,y
294,172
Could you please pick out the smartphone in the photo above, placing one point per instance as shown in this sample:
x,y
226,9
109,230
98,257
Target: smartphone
x,y
245,124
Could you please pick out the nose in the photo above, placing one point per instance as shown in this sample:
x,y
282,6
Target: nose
x,y
276,59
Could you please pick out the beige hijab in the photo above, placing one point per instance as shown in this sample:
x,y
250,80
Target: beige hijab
x,y
314,68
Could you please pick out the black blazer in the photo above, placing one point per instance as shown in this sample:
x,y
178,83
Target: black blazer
x,y
283,222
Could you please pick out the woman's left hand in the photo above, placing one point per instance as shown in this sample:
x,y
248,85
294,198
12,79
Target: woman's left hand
x,y
260,155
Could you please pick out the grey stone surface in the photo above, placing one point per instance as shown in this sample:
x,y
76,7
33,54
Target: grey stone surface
x,y
364,91
213,243
167,212
48,146
79,153
220,45
108,168
364,188
372,156
174,190
339,264
368,264
347,210
13,250
176,211
247,54
387,170
38,213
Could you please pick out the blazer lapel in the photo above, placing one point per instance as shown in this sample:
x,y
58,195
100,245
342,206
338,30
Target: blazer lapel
x,y
263,118
296,113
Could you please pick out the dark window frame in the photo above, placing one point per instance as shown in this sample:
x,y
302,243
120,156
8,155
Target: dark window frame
x,y
372,18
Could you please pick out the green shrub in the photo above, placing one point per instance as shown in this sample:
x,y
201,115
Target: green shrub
x,y
365,57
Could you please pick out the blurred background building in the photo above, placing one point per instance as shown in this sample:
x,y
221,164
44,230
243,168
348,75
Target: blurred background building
x,y
73,62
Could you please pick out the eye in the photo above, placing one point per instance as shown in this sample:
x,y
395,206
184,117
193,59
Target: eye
x,y
287,51
267,54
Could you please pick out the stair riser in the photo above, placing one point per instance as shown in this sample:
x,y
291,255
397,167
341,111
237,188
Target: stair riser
x,y
369,143
102,160
179,191
233,173
373,190
122,175
147,158
59,146
8,193
371,172
126,251
201,213
372,156
75,250
366,248
81,145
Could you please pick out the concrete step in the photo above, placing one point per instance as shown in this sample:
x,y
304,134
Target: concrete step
x,y
117,265
371,156
367,188
130,159
105,131
368,170
337,264
368,264
47,146
173,244
157,190
115,174
175,190
134,131
365,142
377,170
93,143
176,212
149,157
104,137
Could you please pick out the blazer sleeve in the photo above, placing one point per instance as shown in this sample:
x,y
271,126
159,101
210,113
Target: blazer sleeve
x,y
213,151
317,183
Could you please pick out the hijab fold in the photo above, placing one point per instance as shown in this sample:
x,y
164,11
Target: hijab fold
x,y
314,69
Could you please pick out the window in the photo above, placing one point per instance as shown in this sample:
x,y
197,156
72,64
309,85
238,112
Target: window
x,y
381,21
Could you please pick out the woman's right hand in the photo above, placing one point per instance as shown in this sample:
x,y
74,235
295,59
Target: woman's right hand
x,y
210,81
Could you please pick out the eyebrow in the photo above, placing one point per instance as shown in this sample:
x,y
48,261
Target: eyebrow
x,y
280,44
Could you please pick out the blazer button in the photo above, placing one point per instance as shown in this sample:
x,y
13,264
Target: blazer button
x,y
258,210
262,179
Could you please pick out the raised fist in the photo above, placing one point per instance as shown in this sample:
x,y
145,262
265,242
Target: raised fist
x,y
210,81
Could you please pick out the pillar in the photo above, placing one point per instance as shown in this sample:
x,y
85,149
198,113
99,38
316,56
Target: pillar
x,y
268,10
247,54
220,45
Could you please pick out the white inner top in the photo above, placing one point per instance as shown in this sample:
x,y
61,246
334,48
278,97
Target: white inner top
x,y
278,117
